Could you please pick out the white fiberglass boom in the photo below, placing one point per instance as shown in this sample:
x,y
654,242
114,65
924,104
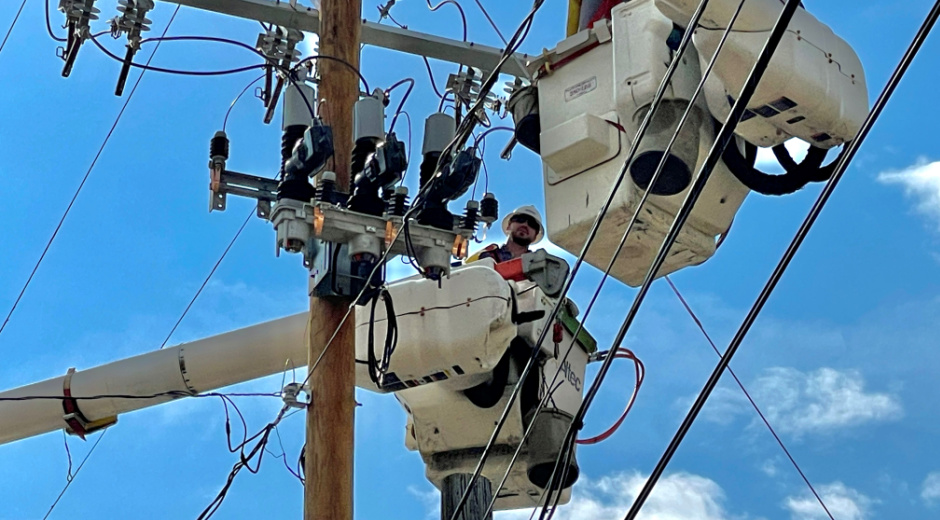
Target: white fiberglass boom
x,y
190,368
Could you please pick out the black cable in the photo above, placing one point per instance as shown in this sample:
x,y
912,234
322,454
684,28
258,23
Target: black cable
x,y
463,16
427,64
147,66
482,137
795,177
49,26
401,104
17,17
378,368
297,474
208,277
175,394
71,477
426,310
214,39
311,59
244,462
408,118
775,277
238,97
85,178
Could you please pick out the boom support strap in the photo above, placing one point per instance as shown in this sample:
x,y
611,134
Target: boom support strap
x,y
75,420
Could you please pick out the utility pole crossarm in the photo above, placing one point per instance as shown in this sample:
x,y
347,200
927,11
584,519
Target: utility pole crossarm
x,y
307,19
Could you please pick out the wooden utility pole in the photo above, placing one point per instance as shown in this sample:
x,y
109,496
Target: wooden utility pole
x,y
328,494
453,488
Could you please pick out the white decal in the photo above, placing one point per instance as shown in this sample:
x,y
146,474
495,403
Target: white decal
x,y
580,89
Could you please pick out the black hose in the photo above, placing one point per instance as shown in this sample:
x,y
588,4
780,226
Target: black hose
x,y
797,175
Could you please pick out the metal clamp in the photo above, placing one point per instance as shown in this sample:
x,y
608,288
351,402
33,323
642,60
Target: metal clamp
x,y
279,46
77,423
292,391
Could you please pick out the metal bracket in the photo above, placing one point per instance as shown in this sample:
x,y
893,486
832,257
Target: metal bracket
x,y
261,188
466,88
307,19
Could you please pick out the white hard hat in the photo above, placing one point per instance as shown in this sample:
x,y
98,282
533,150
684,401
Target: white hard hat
x,y
528,210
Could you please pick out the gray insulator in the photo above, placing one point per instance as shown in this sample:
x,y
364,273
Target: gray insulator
x,y
295,109
369,120
439,130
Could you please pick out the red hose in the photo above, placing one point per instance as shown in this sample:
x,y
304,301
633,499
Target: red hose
x,y
621,353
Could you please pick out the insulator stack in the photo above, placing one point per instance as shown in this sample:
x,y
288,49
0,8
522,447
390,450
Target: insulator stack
x,y
218,148
471,216
326,191
397,203
489,209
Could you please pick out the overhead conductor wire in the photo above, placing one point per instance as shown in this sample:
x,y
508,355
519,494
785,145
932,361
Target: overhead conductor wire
x,y
208,277
12,25
71,477
644,126
747,394
851,150
627,231
180,320
91,167
722,140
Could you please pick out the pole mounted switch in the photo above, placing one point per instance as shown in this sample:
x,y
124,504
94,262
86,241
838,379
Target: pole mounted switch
x,y
311,153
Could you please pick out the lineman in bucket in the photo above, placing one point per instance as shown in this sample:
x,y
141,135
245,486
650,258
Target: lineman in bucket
x,y
523,227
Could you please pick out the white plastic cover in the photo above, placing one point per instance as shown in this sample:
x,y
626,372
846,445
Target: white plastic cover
x,y
814,88
453,334
620,76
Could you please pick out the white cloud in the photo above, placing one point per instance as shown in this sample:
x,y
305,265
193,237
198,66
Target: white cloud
x,y
770,467
822,401
679,496
922,183
431,499
930,491
842,501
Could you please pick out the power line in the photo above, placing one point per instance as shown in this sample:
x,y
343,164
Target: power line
x,y
209,277
12,25
91,167
749,398
49,25
169,394
840,169
71,476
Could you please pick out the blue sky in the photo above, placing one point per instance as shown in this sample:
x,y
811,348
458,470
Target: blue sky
x,y
842,360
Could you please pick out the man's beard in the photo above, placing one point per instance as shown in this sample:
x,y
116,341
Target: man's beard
x,y
519,241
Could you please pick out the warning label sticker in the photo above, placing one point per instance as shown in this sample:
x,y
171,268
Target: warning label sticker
x,y
580,89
